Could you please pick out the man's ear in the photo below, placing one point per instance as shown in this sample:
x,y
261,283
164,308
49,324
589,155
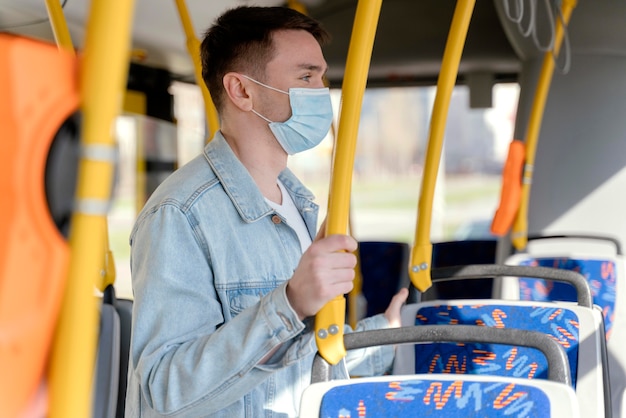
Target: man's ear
x,y
237,91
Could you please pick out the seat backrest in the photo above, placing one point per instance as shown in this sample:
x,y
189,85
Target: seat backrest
x,y
125,312
112,359
107,364
577,329
444,396
605,274
384,272
456,253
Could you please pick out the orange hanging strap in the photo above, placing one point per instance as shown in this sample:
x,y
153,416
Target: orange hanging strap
x,y
34,256
511,193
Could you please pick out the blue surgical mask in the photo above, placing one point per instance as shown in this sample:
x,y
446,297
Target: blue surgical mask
x,y
311,116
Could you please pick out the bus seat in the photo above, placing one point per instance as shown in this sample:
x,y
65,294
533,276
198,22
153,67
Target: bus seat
x,y
603,268
112,358
34,254
440,395
578,328
107,364
125,311
457,253
384,272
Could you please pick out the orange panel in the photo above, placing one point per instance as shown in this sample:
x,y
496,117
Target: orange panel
x,y
39,91
511,193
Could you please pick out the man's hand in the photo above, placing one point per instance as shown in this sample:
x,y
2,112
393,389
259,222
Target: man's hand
x,y
326,270
393,310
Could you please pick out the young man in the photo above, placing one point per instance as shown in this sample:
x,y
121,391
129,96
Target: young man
x,y
226,275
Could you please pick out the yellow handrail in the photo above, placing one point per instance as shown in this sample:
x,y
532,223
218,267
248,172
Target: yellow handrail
x,y
64,41
421,255
297,6
519,234
103,73
330,320
59,25
193,48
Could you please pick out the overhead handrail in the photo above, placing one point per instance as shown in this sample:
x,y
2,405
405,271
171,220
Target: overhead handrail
x,y
329,321
297,6
103,73
421,255
519,235
193,48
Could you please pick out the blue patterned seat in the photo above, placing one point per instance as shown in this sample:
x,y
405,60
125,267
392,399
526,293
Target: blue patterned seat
x,y
604,273
443,395
575,328
439,396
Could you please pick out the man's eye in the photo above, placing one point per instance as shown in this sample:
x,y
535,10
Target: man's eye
x,y
306,78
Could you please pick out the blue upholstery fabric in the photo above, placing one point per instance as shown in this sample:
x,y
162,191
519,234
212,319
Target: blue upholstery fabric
x,y
383,268
496,359
600,274
435,398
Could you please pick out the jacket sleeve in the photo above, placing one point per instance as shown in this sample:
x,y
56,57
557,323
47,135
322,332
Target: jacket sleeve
x,y
185,358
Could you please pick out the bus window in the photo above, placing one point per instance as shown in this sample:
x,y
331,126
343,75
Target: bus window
x,y
389,158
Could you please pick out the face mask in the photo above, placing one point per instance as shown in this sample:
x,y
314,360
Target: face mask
x,y
311,116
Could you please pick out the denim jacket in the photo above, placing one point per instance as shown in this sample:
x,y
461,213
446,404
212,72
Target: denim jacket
x,y
210,261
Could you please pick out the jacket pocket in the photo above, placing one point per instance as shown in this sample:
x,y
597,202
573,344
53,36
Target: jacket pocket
x,y
240,299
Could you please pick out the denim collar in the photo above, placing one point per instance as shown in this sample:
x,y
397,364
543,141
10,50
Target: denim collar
x,y
239,184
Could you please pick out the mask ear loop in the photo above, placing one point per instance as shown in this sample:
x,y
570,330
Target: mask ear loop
x,y
261,116
265,85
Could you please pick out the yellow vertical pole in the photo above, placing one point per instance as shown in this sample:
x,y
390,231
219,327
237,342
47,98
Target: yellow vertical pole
x,y
421,255
103,73
519,234
193,48
330,320
59,25
353,296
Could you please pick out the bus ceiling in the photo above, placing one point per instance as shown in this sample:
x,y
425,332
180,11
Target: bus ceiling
x,y
408,49
409,41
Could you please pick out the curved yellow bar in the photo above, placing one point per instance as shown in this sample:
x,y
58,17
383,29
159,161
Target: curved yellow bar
x,y
193,48
519,233
330,320
421,255
357,289
59,25
109,272
103,73
297,6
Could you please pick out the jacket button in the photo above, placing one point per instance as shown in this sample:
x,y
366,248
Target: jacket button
x,y
276,219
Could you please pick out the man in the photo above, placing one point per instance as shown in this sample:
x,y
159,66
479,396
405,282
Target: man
x,y
226,278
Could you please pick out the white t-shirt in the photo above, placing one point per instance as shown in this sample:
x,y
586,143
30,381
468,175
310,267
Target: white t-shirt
x,y
290,213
